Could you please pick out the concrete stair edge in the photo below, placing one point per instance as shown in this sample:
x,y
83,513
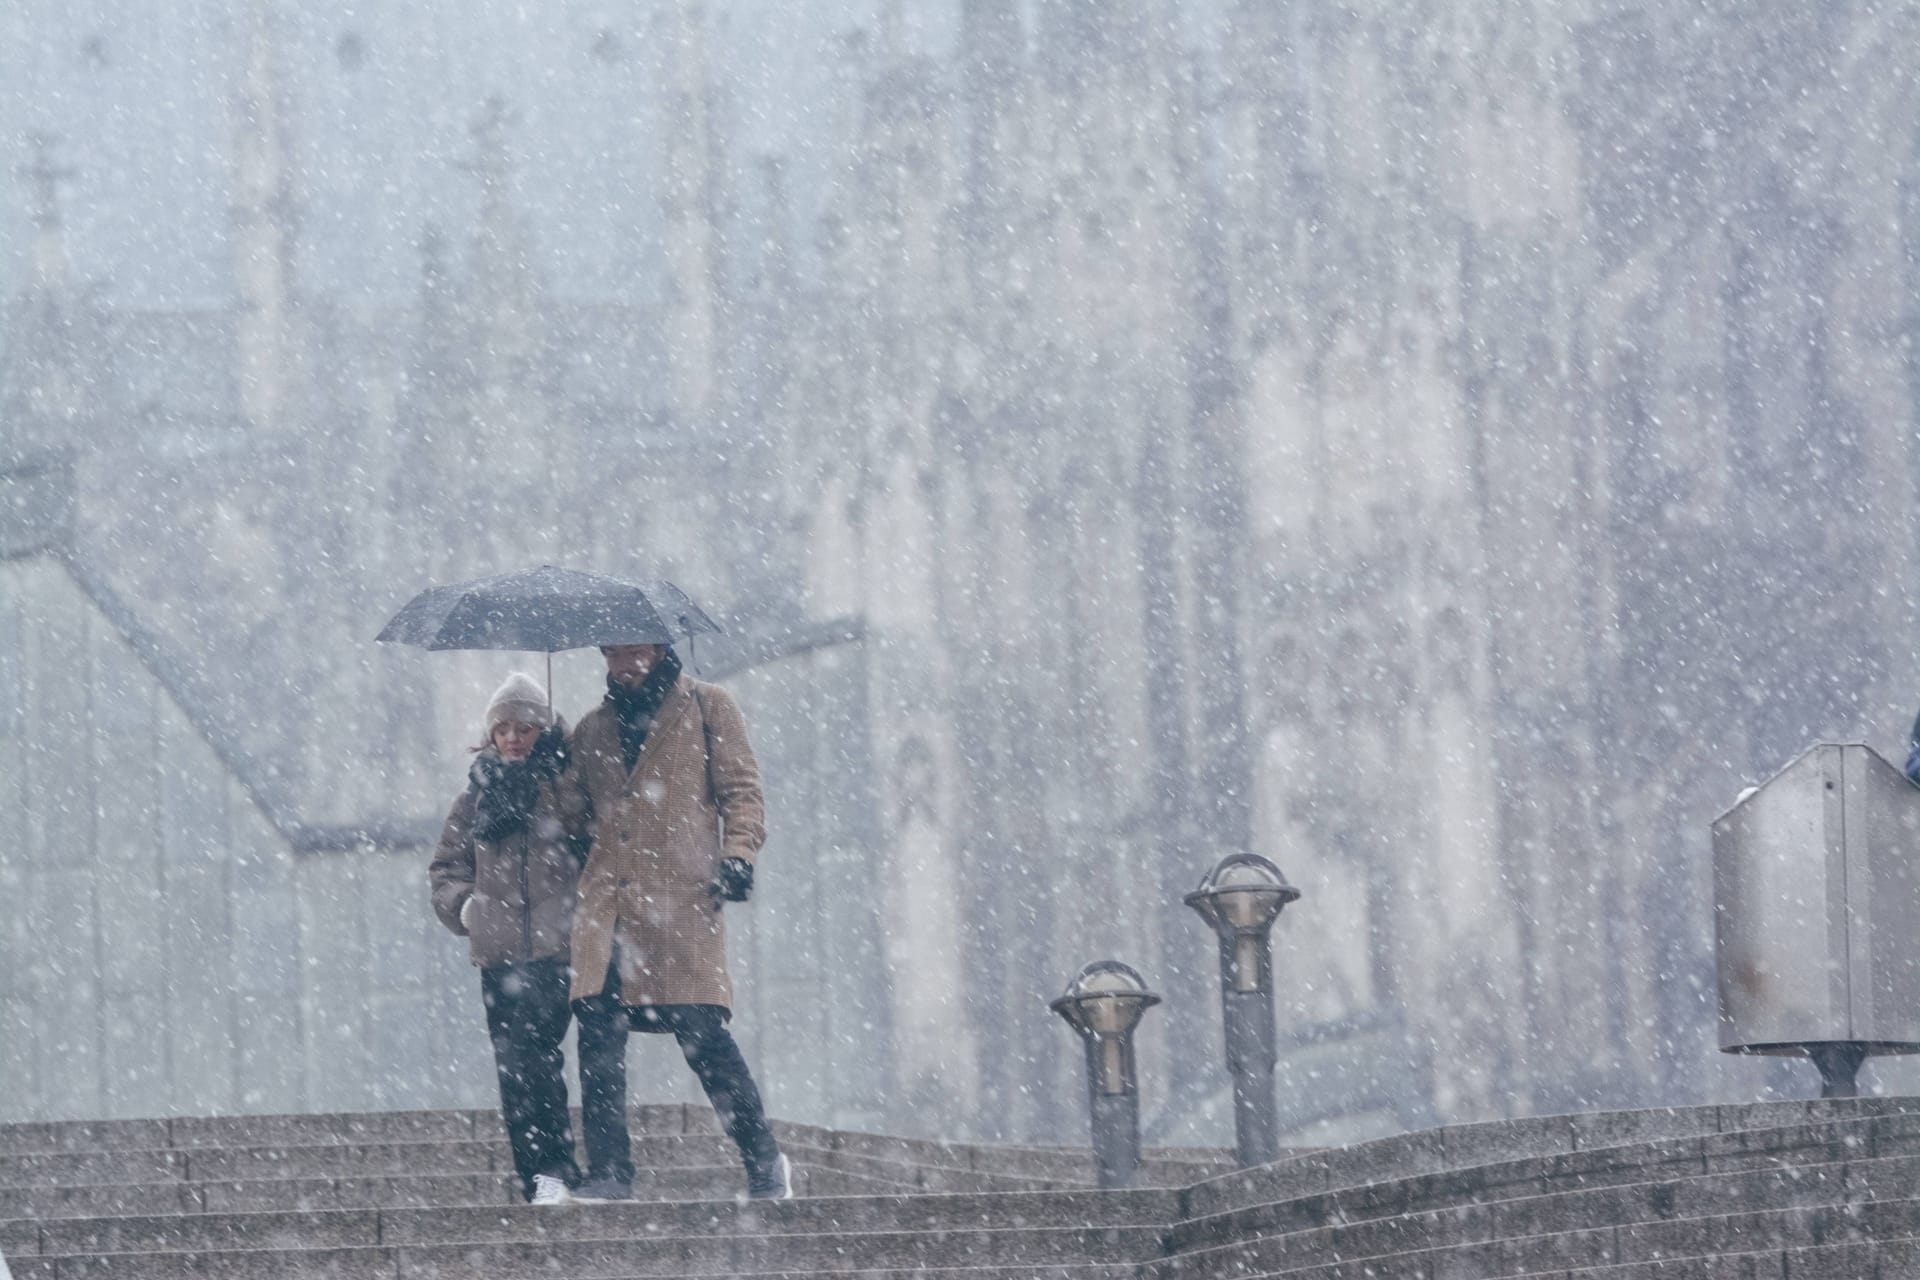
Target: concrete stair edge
x,y
682,1255
312,1146
638,1220
1023,1271
1829,1261
499,1186
1814,1261
1353,1168
1187,1234
360,1128
1839,1146
1441,1260
1838,1192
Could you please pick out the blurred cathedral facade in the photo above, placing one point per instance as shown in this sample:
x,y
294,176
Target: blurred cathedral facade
x,y
1452,484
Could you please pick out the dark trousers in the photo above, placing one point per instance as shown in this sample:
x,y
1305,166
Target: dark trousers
x,y
527,1014
602,1046
709,1048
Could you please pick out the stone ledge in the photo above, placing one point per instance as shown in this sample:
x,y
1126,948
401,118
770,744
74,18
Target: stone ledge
x,y
640,1221
1456,1191
1406,1157
1717,1239
1655,1205
1885,1260
1543,1196
75,1136
83,1167
656,1255
1035,1271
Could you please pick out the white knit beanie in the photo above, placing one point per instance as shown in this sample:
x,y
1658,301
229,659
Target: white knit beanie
x,y
519,698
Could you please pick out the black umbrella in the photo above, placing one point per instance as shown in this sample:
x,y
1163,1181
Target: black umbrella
x,y
546,610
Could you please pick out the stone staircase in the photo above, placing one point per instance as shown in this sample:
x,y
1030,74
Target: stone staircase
x,y
1781,1191
430,1194
1775,1191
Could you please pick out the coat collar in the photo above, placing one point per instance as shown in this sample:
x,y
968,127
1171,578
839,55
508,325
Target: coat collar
x,y
672,707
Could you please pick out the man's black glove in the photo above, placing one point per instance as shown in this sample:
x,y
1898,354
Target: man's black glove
x,y
734,882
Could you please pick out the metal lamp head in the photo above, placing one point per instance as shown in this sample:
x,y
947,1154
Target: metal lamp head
x,y
1105,999
1104,1003
1242,895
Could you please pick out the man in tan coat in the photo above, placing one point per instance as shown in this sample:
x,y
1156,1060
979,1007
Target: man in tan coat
x,y
671,793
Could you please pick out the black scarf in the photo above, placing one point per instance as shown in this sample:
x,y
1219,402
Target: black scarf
x,y
636,707
505,791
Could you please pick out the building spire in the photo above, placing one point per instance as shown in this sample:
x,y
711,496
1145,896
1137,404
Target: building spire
x,y
52,269
993,51
49,329
501,297
269,357
690,214
992,44
892,32
490,163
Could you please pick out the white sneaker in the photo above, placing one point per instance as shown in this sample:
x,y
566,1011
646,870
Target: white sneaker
x,y
548,1189
778,1185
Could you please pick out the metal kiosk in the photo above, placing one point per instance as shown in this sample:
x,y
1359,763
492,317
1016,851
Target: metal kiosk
x,y
1816,895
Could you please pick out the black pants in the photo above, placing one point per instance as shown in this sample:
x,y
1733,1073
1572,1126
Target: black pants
x,y
527,1015
602,1046
709,1048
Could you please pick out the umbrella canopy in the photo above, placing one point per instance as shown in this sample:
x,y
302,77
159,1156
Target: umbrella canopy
x,y
545,610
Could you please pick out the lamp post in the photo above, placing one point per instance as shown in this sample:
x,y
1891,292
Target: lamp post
x,y
1104,1003
1241,898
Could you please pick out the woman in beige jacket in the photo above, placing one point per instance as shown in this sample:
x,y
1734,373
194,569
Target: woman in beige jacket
x,y
504,876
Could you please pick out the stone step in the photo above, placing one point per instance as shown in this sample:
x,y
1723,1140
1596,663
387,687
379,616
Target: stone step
x,y
931,1178
307,1130
1882,1222
1082,1271
654,1151
1040,1164
149,1199
429,1194
1882,1260
152,1199
503,1223
1680,1133
433,1143
1331,1227
84,1135
1026,1271
333,1159
1251,1250
79,1168
1163,1166
407,1191
1306,1191
381,1267
988,1169
657,1255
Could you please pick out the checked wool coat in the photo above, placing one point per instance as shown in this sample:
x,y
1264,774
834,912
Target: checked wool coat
x,y
659,833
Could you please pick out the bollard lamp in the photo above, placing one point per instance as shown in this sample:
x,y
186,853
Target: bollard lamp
x,y
1241,898
1104,1003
